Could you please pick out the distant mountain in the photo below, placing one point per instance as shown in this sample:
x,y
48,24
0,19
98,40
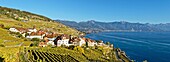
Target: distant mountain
x,y
94,26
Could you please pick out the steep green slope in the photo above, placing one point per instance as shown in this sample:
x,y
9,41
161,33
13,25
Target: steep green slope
x,y
22,15
7,40
13,49
63,55
8,18
9,54
16,18
10,45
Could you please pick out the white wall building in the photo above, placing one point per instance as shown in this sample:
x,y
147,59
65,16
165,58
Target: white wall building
x,y
50,42
13,30
100,43
92,43
81,42
32,30
63,42
51,39
35,36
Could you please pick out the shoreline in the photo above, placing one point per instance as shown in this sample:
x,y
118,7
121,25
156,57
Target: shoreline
x,y
120,55
123,55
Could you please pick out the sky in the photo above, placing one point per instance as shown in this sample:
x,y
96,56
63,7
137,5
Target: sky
x,y
143,11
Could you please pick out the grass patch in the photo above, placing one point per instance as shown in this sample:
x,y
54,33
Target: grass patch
x,y
9,54
9,40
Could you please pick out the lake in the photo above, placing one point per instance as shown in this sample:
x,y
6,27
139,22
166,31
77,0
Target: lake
x,y
139,46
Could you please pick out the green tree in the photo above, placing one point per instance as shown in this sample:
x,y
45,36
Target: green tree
x,y
86,44
35,43
2,45
20,35
107,43
71,47
26,34
35,39
64,46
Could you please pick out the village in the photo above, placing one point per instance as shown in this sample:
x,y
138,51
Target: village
x,y
56,39
53,39
29,37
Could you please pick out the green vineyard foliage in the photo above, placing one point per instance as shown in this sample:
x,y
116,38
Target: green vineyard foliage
x,y
44,56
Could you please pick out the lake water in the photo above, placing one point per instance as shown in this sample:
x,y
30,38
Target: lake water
x,y
139,46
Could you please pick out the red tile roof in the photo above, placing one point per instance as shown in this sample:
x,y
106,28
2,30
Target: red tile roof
x,y
22,29
37,33
52,35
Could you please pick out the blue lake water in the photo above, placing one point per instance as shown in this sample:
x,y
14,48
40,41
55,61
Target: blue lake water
x,y
139,46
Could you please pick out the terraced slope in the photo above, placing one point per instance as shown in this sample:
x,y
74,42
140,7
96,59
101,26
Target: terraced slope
x,y
46,56
54,54
63,55
12,48
17,18
9,54
7,40
10,45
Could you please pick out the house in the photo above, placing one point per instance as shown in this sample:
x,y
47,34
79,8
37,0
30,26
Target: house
x,y
34,36
38,35
32,30
78,41
62,40
82,41
75,41
13,30
46,42
51,37
91,42
100,43
20,30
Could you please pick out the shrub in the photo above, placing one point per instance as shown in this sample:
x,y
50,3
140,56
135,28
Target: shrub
x,y
2,45
35,39
1,25
26,34
7,28
25,39
107,43
64,46
71,47
17,33
20,36
86,44
35,43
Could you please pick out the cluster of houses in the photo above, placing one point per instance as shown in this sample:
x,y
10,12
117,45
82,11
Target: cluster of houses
x,y
55,39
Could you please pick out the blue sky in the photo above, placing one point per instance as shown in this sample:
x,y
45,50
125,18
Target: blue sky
x,y
151,11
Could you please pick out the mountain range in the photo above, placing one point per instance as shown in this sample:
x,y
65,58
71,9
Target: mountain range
x,y
123,26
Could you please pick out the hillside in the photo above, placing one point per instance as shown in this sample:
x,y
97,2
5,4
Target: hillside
x,y
95,26
16,46
15,18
